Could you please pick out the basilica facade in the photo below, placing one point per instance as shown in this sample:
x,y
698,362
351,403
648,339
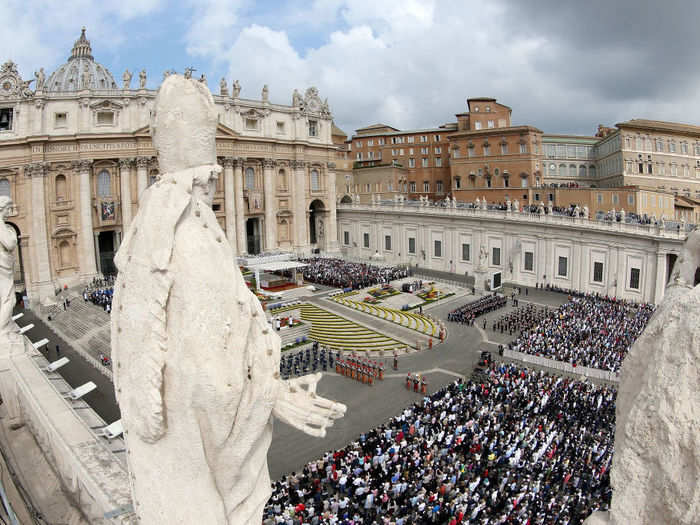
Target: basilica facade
x,y
76,157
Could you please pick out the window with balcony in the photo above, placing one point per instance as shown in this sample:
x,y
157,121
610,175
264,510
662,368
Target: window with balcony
x,y
477,124
104,184
412,187
424,162
438,162
426,186
249,178
411,163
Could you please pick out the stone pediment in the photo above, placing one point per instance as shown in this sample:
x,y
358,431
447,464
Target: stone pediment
x,y
106,105
254,113
222,132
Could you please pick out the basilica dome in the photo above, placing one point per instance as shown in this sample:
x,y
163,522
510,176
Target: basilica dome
x,y
81,71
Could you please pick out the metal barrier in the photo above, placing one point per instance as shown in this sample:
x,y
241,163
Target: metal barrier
x,y
594,373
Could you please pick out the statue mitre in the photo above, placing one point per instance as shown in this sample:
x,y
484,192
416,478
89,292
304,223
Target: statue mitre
x,y
183,125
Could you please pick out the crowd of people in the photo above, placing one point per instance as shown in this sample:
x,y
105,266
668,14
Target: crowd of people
x,y
512,446
466,314
100,292
520,319
587,331
310,360
345,274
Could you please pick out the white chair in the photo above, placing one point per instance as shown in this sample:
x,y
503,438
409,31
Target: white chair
x,y
15,317
112,431
80,391
25,329
57,364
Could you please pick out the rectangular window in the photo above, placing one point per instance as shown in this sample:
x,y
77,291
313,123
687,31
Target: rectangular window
x,y
437,138
412,245
424,138
465,252
365,240
504,148
346,238
61,120
387,243
634,278
599,197
597,272
649,170
438,186
313,128
684,148
495,256
487,150
563,267
105,118
6,119
470,151
412,187
438,162
410,151
672,147
411,163
400,151
358,143
370,142
529,262
489,124
280,127
438,248
477,124
438,151
424,162
426,186
630,199
359,155
523,148
411,140
251,123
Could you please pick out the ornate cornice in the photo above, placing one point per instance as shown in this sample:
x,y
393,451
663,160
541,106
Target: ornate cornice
x,y
126,163
85,165
268,163
298,164
36,169
143,162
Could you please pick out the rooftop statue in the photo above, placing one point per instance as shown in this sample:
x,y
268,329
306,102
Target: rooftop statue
x,y
196,365
8,244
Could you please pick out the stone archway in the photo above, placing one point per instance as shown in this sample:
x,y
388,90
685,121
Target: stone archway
x,y
317,233
346,199
20,278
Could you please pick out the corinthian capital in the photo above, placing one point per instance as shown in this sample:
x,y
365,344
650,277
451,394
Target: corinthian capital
x,y
126,163
238,162
268,163
298,164
228,162
84,165
37,169
143,162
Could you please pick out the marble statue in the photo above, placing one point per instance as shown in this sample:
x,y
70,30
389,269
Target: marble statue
x,y
126,79
622,215
236,89
577,211
454,201
203,79
484,204
196,365
586,212
550,207
296,99
188,72
654,474
508,205
516,206
483,256
223,87
8,244
478,203
40,78
142,79
265,93
540,208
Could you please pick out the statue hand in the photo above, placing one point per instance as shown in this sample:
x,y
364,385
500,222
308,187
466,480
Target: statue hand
x,y
303,409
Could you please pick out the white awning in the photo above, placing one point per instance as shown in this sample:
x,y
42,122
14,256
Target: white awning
x,y
276,266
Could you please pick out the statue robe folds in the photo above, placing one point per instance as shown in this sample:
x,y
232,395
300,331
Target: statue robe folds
x,y
8,243
196,366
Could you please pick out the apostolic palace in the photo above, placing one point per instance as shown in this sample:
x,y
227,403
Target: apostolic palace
x,y
76,156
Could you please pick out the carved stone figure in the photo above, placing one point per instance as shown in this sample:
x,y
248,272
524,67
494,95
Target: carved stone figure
x,y
196,365
126,79
296,99
484,204
540,208
188,72
142,79
8,244
265,94
40,78
585,212
85,78
577,211
483,256
478,203
325,110
223,87
516,206
203,79
236,89
508,205
657,432
550,208
622,215
454,201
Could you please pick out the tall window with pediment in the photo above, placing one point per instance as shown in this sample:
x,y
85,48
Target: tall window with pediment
x,y
104,184
315,180
249,178
5,188
282,180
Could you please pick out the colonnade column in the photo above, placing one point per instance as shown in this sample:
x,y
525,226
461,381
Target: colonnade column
x,y
301,239
125,187
270,204
332,227
240,221
141,177
88,267
39,238
229,204
660,277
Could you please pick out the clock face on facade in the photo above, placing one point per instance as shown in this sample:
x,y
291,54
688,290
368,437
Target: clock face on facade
x,y
7,84
552,167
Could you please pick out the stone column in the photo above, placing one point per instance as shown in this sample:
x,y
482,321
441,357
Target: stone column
x,y
240,221
87,244
301,239
141,177
229,204
96,255
270,204
660,285
39,243
125,186
331,223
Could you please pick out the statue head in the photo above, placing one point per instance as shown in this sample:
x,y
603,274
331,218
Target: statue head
x,y
183,124
5,206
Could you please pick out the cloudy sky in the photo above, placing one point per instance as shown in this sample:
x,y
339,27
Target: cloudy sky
x,y
563,66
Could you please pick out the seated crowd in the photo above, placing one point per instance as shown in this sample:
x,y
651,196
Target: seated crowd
x,y
587,331
467,313
512,446
345,274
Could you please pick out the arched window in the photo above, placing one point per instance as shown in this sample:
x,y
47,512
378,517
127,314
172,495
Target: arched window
x,y
562,170
315,181
591,170
582,171
61,191
572,170
282,180
104,184
249,178
5,188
